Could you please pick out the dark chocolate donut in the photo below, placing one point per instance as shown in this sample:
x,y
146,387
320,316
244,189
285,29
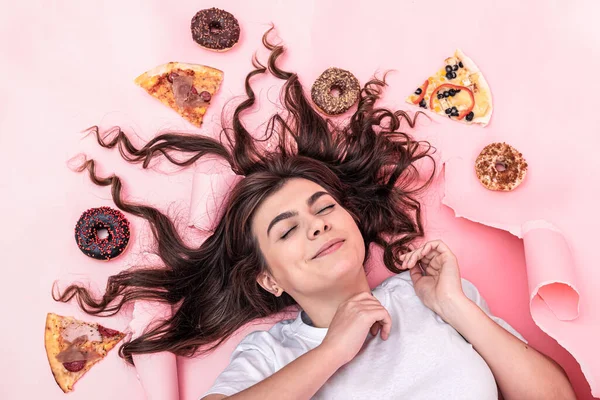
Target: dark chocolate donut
x,y
215,29
95,219
335,79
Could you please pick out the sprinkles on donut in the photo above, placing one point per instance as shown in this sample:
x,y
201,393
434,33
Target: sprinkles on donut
x,y
96,219
335,79
215,29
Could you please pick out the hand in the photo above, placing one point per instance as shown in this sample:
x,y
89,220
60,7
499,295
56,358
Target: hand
x,y
441,285
352,322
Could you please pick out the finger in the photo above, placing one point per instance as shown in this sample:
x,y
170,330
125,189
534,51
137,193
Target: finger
x,y
432,271
437,262
416,274
386,325
367,304
371,311
430,251
421,267
382,316
425,254
440,246
407,257
428,258
362,296
414,257
375,328
404,257
439,259
368,297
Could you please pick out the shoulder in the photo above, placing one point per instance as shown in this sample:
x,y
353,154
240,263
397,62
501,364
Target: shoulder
x,y
402,284
266,340
399,280
403,281
398,283
257,349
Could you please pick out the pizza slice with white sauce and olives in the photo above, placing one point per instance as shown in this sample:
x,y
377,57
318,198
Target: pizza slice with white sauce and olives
x,y
458,91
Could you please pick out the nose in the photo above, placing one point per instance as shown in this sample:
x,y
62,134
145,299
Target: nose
x,y
318,227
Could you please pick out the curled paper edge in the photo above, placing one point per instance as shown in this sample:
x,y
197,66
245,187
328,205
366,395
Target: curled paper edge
x,y
156,372
76,162
210,189
550,269
540,305
542,283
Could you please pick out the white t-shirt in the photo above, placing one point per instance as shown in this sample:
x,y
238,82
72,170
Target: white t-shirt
x,y
423,358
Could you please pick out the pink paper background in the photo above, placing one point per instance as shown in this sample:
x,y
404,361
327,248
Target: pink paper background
x,y
69,65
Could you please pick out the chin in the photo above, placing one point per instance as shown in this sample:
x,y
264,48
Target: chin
x,y
345,259
343,265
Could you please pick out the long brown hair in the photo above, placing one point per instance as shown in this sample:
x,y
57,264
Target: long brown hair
x,y
367,165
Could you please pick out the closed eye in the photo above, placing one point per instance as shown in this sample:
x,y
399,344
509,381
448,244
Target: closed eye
x,y
294,227
328,207
288,232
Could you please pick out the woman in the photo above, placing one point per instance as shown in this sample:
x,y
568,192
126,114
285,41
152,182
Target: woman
x,y
295,234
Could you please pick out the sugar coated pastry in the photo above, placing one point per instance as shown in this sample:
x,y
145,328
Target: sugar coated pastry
x,y
500,166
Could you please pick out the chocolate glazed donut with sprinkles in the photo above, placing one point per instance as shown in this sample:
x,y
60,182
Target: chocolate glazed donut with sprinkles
x,y
335,80
215,29
96,219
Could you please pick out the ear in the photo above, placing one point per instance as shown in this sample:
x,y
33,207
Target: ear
x,y
267,282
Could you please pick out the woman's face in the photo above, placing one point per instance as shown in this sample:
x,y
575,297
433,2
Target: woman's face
x,y
310,242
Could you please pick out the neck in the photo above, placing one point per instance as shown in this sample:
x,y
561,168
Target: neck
x,y
322,309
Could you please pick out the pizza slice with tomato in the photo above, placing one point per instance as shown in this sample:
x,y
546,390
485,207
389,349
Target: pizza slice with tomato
x,y
74,346
185,88
458,91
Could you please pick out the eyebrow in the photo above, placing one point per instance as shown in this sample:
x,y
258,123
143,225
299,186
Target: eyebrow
x,y
288,214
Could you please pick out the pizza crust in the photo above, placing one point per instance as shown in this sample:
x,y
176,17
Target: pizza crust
x,y
52,333
171,66
470,64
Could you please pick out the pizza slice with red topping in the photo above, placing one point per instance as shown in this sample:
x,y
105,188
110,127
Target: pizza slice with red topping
x,y
185,88
74,346
458,91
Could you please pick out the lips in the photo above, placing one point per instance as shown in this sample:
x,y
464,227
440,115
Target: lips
x,y
326,246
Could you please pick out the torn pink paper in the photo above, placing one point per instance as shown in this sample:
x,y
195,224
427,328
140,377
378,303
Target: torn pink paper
x,y
539,111
550,270
76,162
157,372
554,279
212,183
